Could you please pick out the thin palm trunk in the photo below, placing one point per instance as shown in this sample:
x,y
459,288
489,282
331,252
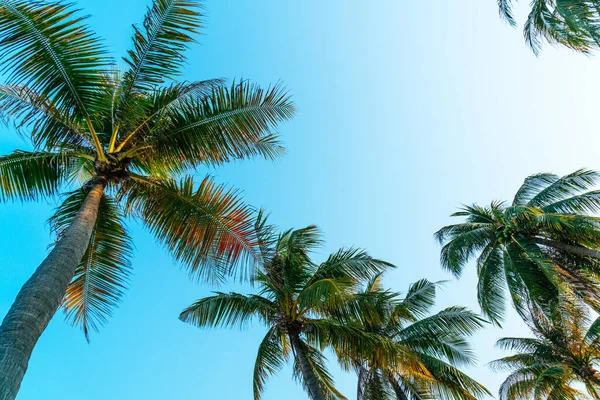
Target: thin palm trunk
x,y
579,250
42,294
310,379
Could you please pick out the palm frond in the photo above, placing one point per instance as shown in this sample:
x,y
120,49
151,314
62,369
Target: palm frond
x,y
48,48
28,175
228,310
270,359
102,275
47,127
491,284
451,383
564,187
158,49
570,23
229,124
206,227
352,263
506,12
420,297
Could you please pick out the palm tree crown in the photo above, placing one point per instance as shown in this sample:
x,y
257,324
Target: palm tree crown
x,y
135,132
426,348
300,302
544,239
564,351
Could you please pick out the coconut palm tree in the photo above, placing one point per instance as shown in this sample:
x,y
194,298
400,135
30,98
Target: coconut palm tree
x,y
116,143
544,239
565,351
427,348
573,23
299,302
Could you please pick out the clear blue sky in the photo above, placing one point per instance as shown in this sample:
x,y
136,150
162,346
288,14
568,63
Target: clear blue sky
x,y
406,109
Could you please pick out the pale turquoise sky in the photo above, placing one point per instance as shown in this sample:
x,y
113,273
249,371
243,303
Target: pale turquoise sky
x,y
406,109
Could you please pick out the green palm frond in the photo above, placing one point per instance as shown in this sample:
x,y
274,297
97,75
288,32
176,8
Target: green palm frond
x,y
102,276
205,226
506,11
352,262
453,383
420,298
47,47
228,310
231,123
543,240
158,48
564,187
462,245
324,293
574,24
28,175
35,116
570,23
491,284
443,334
272,354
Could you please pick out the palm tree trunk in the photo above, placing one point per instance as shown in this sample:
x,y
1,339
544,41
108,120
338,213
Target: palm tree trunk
x,y
42,294
579,250
310,378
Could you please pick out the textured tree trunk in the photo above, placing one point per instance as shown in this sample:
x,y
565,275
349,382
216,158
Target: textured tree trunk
x,y
310,379
579,250
42,294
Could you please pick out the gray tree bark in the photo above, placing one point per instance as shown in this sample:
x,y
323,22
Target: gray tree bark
x,y
42,294
579,250
310,379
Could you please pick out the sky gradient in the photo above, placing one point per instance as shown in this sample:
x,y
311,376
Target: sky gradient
x,y
406,110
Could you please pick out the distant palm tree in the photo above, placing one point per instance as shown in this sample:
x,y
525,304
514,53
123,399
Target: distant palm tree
x,y
573,23
428,348
119,142
299,301
564,351
544,239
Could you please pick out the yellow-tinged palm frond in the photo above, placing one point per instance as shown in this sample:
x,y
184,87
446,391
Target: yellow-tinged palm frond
x,y
415,356
205,226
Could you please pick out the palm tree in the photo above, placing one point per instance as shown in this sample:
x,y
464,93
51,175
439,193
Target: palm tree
x,y
428,348
298,301
564,351
543,240
574,23
118,144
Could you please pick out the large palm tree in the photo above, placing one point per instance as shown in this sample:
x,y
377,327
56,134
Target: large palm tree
x,y
564,354
427,349
571,23
544,239
116,143
300,303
